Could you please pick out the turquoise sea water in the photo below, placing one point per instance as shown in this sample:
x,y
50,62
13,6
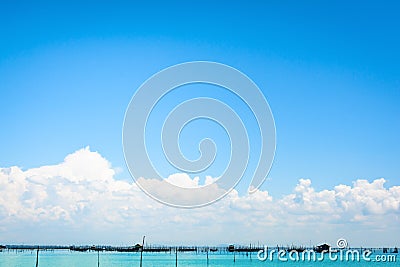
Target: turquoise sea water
x,y
66,258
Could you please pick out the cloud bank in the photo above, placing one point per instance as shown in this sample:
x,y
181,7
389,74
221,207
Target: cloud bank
x,y
80,201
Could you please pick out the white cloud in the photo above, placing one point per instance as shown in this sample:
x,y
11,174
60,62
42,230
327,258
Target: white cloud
x,y
79,200
183,180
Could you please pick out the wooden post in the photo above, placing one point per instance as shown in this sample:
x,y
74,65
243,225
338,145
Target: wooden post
x,y
176,257
141,252
98,258
37,257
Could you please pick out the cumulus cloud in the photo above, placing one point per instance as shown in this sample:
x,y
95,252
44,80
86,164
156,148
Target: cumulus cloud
x,y
79,200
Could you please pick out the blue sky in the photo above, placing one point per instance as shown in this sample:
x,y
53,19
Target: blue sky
x,y
330,73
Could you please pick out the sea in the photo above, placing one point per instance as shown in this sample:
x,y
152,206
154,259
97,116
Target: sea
x,y
67,258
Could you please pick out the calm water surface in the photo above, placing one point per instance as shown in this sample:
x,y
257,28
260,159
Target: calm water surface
x,y
66,258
